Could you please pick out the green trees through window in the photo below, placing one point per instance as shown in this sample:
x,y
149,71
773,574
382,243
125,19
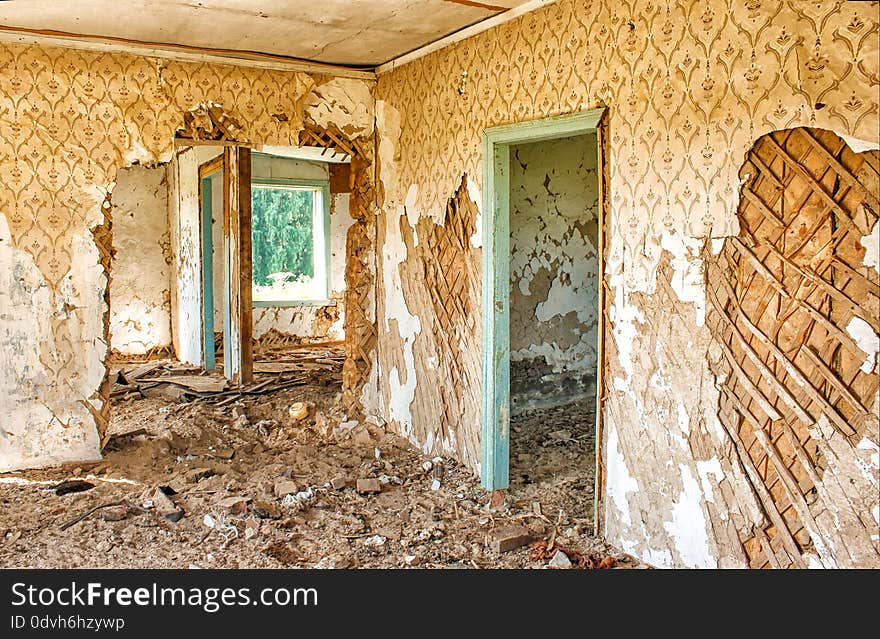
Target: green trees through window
x,y
282,236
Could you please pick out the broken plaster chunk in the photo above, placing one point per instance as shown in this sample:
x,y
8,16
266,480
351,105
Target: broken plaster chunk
x,y
338,483
284,487
298,411
369,486
412,560
375,541
559,560
509,538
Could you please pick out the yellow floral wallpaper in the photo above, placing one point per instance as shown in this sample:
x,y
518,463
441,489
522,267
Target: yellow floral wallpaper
x,y
69,119
689,86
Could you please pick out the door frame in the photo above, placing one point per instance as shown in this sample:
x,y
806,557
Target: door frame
x,y
495,439
207,173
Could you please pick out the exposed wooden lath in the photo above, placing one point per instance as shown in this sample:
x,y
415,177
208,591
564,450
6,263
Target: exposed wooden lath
x,y
209,122
784,293
330,138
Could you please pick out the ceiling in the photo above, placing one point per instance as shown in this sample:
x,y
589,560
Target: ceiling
x,y
359,33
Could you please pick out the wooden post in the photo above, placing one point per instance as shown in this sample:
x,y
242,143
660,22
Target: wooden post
x,y
604,216
238,360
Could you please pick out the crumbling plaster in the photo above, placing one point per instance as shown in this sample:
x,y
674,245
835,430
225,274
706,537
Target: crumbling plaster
x,y
554,265
69,121
689,86
140,287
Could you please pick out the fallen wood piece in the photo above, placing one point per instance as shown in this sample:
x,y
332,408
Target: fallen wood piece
x,y
130,376
79,518
193,382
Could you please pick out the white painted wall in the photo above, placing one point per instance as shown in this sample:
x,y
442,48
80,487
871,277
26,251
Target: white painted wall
x,y
186,297
554,210
140,283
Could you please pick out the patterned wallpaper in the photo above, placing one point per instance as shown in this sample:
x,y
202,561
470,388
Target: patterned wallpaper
x,y
69,119
689,86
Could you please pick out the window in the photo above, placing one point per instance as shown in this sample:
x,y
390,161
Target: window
x,y
290,239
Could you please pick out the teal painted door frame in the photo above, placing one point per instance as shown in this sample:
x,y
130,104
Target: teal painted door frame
x,y
495,439
208,271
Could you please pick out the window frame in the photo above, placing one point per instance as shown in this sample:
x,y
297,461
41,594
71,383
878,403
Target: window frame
x,y
317,186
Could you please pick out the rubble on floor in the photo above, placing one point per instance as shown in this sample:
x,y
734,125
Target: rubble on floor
x,y
188,483
553,462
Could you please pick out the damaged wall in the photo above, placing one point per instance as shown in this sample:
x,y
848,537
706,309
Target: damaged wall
x,y
69,121
184,215
554,269
140,286
689,87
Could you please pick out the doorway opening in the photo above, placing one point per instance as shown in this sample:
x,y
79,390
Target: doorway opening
x,y
299,219
543,320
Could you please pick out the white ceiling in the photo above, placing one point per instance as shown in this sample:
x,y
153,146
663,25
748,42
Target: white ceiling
x,y
346,32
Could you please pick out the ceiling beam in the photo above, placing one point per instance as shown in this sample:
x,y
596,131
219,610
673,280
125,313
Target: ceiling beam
x,y
463,34
183,53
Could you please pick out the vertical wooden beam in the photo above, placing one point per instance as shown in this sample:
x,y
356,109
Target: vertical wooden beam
x,y
238,362
246,308
496,317
207,274
602,148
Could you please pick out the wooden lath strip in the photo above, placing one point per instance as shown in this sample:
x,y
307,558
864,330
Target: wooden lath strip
x,y
793,372
748,384
817,188
788,480
767,500
842,298
759,266
767,548
844,173
831,377
766,374
828,288
873,288
763,209
764,170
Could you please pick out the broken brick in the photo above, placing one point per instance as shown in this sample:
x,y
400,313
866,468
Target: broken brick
x,y
194,475
509,538
369,486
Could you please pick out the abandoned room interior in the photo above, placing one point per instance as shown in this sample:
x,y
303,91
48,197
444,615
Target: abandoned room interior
x,y
525,284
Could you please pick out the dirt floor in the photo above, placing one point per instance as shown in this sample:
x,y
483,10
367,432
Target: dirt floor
x,y
254,487
552,460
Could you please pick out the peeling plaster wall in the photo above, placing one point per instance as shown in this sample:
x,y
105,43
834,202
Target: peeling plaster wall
x,y
140,287
186,245
554,268
69,121
689,86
